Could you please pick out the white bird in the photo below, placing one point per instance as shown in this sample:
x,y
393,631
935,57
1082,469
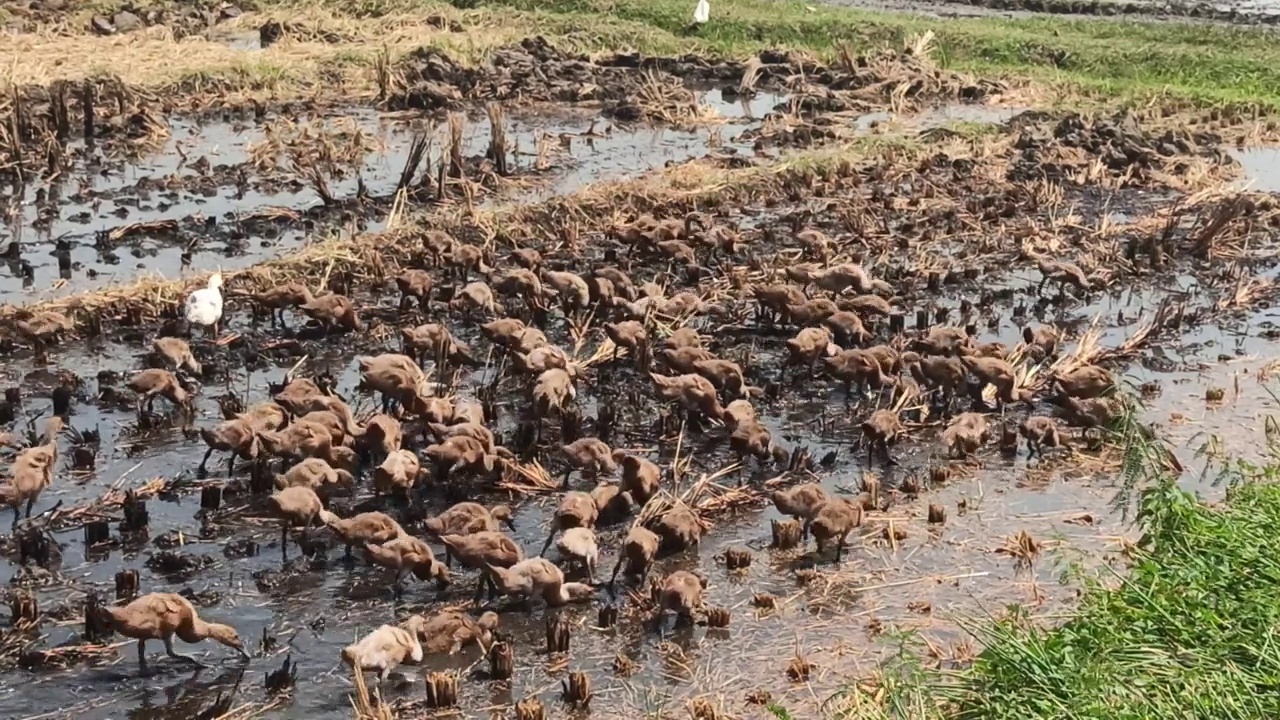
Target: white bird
x,y
204,306
702,12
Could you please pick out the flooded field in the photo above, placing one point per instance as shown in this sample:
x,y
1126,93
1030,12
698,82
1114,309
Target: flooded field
x,y
986,225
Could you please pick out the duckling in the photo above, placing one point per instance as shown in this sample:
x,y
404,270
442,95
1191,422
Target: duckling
x,y
297,395
366,527
238,437
641,477
1088,412
521,283
449,631
753,440
997,372
847,328
429,409
695,393
262,416
391,375
808,346
538,577
469,258
573,291
459,452
801,502
681,593
681,305
612,503
772,300
681,360
590,455
576,509
32,470
435,341
175,352
381,433
397,474
542,359
638,551
813,311
870,306
629,334
1088,381
679,528
438,243
860,367
1044,339
407,554
527,258
469,429
280,297
943,373
678,251
942,340
298,440
297,505
161,616
416,284
43,327
737,413
839,278
966,434
579,543
475,296
814,243
835,519
504,332
619,283
329,421
683,337
1041,432
318,475
1061,272
482,550
553,390
332,311
466,518
153,383
880,429
724,374
383,650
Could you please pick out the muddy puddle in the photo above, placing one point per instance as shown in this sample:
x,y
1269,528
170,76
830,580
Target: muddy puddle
x,y
209,176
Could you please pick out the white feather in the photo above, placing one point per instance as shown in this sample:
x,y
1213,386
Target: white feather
x,y
204,306
702,12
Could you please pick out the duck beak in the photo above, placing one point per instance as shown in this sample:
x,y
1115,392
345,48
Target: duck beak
x,y
245,654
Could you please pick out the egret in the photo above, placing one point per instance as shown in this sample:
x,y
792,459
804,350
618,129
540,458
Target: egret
x,y
702,12
204,306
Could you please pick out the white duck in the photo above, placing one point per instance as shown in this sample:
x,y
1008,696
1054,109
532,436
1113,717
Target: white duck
x,y
702,12
204,306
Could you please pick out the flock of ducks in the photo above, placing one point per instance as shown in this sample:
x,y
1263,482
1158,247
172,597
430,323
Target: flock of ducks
x,y
424,441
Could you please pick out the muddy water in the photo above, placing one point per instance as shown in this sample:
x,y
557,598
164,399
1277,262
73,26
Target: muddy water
x,y
844,621
175,184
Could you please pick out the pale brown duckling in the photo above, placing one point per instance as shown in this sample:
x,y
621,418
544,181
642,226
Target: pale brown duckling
x,y
520,283
161,616
407,554
176,353
738,413
776,298
153,383
629,334
428,408
466,518
619,282
435,341
613,503
297,395
279,298
1061,272
835,519
879,430
262,416
944,373
459,452
470,429
639,549
683,337
449,631
238,437
641,477
590,455
416,284
1041,432
857,367
438,244
32,471
813,311
997,372
1042,340
680,593
808,347
365,527
1088,412
381,435
527,258
391,375
397,474
966,434
480,551
43,327
570,288
538,577
724,374
298,440
504,332
682,304
475,296
469,258
679,528
695,393
318,475
814,243
868,306
847,328
801,503
329,421
579,544
553,390
751,439
542,359
1088,381
576,509
681,360
842,277
297,505
332,311
943,340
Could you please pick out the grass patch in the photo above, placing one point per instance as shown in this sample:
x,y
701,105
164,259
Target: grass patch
x,y
1107,59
